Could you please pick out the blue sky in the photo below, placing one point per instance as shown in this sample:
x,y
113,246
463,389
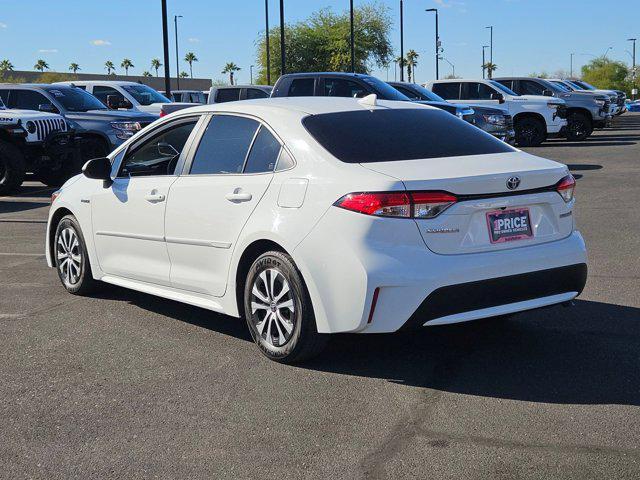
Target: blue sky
x,y
529,35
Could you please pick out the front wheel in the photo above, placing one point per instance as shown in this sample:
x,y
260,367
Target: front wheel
x,y
71,258
278,310
12,168
579,128
530,132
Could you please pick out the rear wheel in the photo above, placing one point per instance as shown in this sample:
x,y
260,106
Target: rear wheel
x,y
530,132
278,310
70,258
579,128
12,168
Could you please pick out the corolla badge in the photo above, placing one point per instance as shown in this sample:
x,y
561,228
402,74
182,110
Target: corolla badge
x,y
513,183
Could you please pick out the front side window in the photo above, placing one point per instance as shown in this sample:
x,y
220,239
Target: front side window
x,y
256,93
228,95
448,91
159,154
26,99
387,135
339,87
408,93
301,87
479,91
531,88
102,92
224,145
264,153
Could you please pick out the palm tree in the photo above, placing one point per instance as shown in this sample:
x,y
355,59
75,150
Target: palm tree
x,y
490,67
190,58
146,73
74,67
5,66
230,68
155,64
127,64
41,65
184,75
109,66
412,63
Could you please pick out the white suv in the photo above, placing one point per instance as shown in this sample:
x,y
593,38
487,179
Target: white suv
x,y
534,117
308,216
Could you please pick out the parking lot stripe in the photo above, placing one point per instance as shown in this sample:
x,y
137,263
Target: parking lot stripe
x,y
20,220
12,254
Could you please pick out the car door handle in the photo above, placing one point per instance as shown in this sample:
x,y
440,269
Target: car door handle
x,y
238,196
154,197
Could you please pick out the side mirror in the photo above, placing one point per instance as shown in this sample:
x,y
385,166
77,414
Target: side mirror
x,y
167,150
98,169
115,102
497,96
47,107
547,93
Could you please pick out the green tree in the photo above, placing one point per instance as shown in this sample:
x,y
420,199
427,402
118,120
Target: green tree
x,y
321,42
146,73
74,67
490,68
127,64
5,66
110,67
412,63
231,68
41,65
607,74
184,75
190,58
155,64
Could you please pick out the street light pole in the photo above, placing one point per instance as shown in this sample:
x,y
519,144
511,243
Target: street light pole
x,y
283,63
175,21
453,67
165,44
633,70
437,42
484,62
401,42
571,67
251,74
491,44
266,20
353,51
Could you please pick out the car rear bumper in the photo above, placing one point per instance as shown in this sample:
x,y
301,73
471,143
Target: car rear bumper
x,y
360,257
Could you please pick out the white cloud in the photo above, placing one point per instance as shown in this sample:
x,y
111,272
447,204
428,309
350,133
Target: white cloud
x,y
460,6
194,40
48,50
100,43
3,25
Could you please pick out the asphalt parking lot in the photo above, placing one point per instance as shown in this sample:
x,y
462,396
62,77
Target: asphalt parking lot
x,y
126,385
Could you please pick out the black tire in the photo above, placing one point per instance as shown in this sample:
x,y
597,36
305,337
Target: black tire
x,y
530,132
12,168
579,127
295,337
80,280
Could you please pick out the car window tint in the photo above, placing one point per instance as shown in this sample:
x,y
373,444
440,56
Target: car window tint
x,y
529,87
510,84
448,91
4,97
102,92
264,153
228,95
386,135
301,87
256,93
159,155
409,93
478,91
26,99
224,145
340,87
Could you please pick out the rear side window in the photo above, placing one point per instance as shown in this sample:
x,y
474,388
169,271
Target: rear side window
x,y
256,93
228,95
448,91
301,87
101,93
264,153
530,87
478,91
340,87
386,135
224,145
409,93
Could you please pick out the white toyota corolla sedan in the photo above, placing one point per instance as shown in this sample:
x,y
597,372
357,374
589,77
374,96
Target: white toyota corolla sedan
x,y
310,216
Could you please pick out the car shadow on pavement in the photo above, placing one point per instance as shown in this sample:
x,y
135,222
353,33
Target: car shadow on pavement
x,y
588,354
583,166
16,206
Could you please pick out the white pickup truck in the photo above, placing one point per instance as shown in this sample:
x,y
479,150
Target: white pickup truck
x,y
534,117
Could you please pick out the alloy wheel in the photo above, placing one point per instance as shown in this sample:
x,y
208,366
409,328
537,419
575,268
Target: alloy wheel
x,y
69,256
272,307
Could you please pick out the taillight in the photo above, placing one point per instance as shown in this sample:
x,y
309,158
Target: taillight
x,y
566,187
162,113
398,204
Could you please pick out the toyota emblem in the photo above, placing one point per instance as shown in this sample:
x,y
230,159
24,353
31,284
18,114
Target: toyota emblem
x,y
513,183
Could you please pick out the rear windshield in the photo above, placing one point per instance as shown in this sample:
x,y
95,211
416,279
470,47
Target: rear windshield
x,y
386,135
